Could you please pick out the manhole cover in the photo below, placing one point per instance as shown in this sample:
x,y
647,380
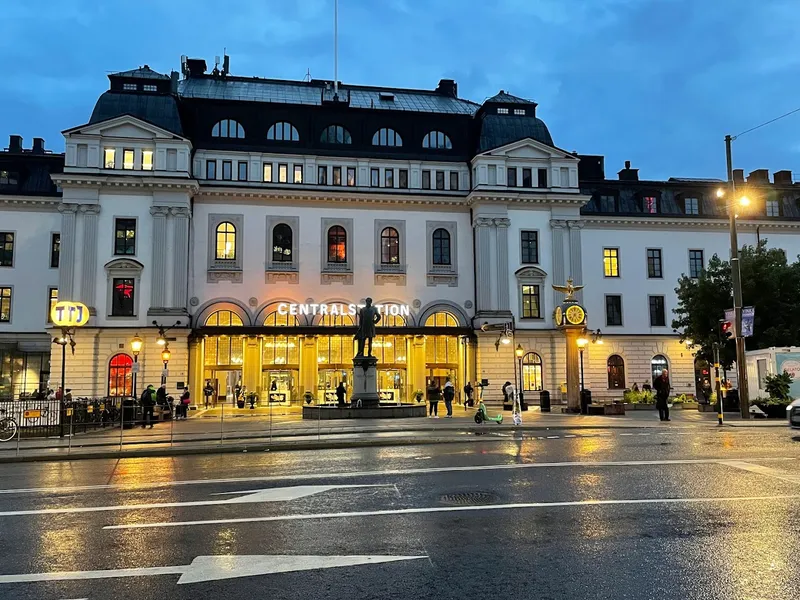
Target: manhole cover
x,y
468,498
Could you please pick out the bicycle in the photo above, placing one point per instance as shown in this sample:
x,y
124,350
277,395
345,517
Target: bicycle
x,y
8,427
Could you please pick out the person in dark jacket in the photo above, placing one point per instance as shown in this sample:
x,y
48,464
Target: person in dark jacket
x,y
340,393
449,394
662,395
148,401
434,395
468,391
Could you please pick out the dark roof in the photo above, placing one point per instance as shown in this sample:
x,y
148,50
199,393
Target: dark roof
x,y
144,72
312,93
159,110
30,173
506,98
499,130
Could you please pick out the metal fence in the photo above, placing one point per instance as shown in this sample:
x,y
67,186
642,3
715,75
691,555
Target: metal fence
x,y
44,418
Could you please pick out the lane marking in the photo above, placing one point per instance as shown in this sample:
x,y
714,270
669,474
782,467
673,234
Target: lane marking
x,y
762,470
383,473
446,509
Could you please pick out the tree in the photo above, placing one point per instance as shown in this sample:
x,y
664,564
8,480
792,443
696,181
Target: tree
x,y
769,283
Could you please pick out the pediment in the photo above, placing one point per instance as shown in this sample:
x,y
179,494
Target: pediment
x,y
125,126
530,273
531,149
124,264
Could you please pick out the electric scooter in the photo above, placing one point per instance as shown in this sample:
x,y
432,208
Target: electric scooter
x,y
481,415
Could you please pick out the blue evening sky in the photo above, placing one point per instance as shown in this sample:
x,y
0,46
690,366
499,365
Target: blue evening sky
x,y
657,82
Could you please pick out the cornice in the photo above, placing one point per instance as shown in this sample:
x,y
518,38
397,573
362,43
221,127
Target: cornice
x,y
573,199
40,202
348,195
594,222
75,180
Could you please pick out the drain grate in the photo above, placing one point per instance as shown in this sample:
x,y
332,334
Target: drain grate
x,y
468,498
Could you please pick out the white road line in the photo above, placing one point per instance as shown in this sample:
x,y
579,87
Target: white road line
x,y
552,437
446,509
570,436
383,473
762,470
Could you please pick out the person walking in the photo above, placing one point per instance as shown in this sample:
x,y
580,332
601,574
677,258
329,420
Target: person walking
x,y
340,394
662,395
468,401
449,393
148,401
208,391
434,393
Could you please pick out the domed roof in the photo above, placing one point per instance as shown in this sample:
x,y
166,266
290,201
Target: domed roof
x,y
506,118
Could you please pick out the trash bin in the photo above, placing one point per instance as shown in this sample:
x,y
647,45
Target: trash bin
x,y
544,401
586,400
128,413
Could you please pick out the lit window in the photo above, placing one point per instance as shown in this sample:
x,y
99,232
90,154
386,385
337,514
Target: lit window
x,y
650,205
226,241
691,206
519,111
125,237
532,372
122,297
337,244
52,299
147,160
282,243
530,302
109,154
6,249
120,376
5,304
351,176
657,316
773,208
127,159
611,262
149,87
390,246
335,134
337,175
227,128
283,132
10,177
298,173
129,87
437,140
441,247
502,111
387,137
268,172
696,263
283,173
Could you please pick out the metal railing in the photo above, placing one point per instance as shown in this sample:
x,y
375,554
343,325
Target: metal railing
x,y
44,418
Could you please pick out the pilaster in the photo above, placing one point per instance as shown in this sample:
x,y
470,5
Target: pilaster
x,y
159,273
483,263
251,365
503,303
180,257
575,260
66,265
89,255
308,367
559,275
417,364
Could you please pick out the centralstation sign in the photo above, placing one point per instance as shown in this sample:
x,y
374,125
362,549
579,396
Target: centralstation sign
x,y
286,308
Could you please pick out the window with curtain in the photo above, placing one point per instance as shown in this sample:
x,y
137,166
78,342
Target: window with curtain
x,y
120,376
226,241
337,244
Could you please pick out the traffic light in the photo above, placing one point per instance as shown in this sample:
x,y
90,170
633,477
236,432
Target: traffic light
x,y
727,330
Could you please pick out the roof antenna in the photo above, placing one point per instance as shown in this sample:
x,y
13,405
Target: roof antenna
x,y
307,78
335,49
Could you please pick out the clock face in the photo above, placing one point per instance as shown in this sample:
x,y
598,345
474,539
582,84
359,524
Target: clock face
x,y
575,315
558,315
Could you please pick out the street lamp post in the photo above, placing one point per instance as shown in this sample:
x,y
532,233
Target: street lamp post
x,y
520,352
582,343
136,347
165,356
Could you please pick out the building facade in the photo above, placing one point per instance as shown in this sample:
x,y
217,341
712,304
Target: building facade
x,y
252,217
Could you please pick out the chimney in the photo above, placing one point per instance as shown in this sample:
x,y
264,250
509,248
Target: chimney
x,y
173,82
738,175
782,178
38,145
628,174
15,143
447,87
196,66
758,176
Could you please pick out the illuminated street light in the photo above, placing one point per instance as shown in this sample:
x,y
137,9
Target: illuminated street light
x,y
136,345
582,342
519,351
165,355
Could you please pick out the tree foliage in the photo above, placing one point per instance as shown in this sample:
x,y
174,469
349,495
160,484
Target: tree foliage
x,y
769,283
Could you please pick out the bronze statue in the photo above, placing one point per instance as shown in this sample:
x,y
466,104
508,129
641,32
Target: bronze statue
x,y
368,316
569,290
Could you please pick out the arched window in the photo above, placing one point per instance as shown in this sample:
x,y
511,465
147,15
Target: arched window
x,y
282,243
658,364
441,351
441,247
120,377
390,246
337,321
275,319
228,128
532,372
392,321
335,134
223,318
441,319
283,131
437,140
387,137
226,241
337,244
616,372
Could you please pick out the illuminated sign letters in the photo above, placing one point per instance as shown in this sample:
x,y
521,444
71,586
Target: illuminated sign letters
x,y
286,308
69,314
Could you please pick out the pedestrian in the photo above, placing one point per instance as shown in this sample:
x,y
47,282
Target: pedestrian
x,y
468,401
183,407
208,391
148,401
340,394
434,393
506,398
449,393
635,387
662,395
161,395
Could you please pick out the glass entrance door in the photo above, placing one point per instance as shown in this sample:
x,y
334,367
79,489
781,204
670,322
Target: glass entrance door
x,y
279,386
392,385
328,382
225,382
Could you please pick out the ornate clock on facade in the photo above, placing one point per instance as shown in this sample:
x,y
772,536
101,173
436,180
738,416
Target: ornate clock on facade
x,y
558,316
575,314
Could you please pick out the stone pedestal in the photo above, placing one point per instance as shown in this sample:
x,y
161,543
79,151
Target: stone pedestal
x,y
365,382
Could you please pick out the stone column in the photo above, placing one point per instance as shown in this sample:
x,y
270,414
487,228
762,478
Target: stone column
x,y
417,363
575,260
502,283
483,263
559,275
66,263
180,257
573,369
196,380
308,368
251,367
89,257
158,290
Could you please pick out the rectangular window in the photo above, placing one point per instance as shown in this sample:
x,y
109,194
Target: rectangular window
x,y
611,262
5,304
654,270
322,175
242,170
530,247
268,172
52,299
542,178
657,316
564,176
613,311
773,208
9,177
511,177
691,206
283,173
129,87
83,155
298,173
375,177
55,250
127,159
125,237
147,160
492,174
761,368
519,112
527,178
439,180
650,205
388,178
530,302
453,180
351,176
337,175
608,204
403,178
122,296
211,169
172,159
6,249
426,180
149,87
502,111
109,156
227,170
696,263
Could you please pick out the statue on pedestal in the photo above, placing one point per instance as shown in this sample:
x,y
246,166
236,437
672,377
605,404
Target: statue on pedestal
x,y
368,317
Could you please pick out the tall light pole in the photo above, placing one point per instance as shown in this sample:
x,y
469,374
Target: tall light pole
x,y
165,356
520,352
136,347
582,343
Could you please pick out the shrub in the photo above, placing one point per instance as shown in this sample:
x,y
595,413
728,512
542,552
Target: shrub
x,y
777,386
641,397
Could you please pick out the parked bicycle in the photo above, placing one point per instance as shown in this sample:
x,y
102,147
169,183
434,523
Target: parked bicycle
x,y
8,427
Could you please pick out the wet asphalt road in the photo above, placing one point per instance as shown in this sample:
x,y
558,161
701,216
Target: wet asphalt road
x,y
665,526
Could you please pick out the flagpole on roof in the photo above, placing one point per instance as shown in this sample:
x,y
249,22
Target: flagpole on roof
x,y
335,48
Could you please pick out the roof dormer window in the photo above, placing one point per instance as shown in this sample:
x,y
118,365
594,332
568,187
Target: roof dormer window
x,y
283,131
227,128
437,140
387,137
519,112
149,87
129,87
502,111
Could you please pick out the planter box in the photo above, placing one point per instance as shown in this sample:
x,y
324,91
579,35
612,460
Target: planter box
x,y
688,405
774,412
640,406
712,408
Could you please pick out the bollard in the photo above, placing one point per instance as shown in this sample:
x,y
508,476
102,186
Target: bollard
x,y
222,423
19,435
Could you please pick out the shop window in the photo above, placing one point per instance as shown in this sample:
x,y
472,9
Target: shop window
x,y
658,364
120,376
281,350
616,372
532,372
225,241
389,349
441,351
223,318
224,351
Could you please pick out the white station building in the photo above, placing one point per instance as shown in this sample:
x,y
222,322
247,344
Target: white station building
x,y
250,217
